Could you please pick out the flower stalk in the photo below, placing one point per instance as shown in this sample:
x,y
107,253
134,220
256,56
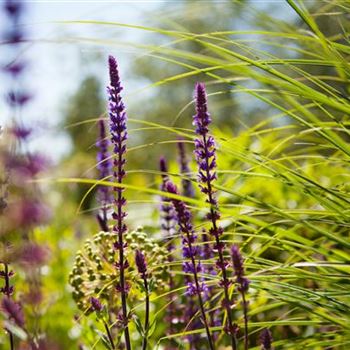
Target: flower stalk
x,y
243,286
190,252
142,269
119,134
205,153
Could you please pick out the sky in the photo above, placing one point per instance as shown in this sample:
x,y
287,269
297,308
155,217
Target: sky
x,y
60,54
57,63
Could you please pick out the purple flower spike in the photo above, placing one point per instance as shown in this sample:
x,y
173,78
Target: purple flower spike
x,y
187,187
266,340
13,311
205,153
104,165
13,8
18,98
243,286
238,266
118,130
118,118
190,252
141,263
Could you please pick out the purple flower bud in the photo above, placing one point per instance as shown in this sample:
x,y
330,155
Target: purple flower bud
x,y
13,311
141,263
238,265
18,98
21,132
33,254
96,304
13,8
15,68
266,340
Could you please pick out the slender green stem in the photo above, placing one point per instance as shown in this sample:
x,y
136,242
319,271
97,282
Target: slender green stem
x,y
145,338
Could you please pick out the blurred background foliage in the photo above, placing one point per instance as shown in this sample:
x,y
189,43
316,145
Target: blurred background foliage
x,y
278,83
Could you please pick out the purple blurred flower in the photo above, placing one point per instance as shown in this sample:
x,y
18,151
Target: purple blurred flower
x,y
25,166
21,132
28,212
14,68
13,8
168,214
13,311
96,304
14,37
18,99
141,263
266,340
33,254
104,165
187,187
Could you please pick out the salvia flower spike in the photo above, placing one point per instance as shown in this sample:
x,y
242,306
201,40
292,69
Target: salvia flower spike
x,y
190,252
243,285
205,153
104,166
118,119
141,265
266,340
